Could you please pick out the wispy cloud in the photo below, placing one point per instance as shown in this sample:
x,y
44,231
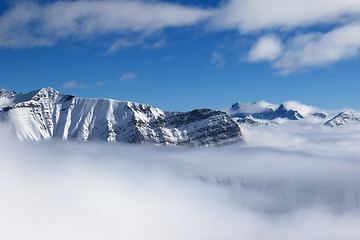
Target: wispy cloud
x,y
30,24
133,42
339,42
320,49
99,83
122,43
217,59
314,49
130,76
73,84
157,44
169,58
257,15
135,23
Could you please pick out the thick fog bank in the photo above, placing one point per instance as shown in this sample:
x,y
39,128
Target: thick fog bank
x,y
285,183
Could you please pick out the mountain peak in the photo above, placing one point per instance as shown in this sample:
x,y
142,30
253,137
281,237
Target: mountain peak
x,y
44,94
283,112
344,118
253,107
6,93
47,92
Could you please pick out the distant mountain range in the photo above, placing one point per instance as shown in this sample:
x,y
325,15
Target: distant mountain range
x,y
267,111
47,113
263,113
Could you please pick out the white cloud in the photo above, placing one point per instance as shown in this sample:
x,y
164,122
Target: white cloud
x,y
139,41
122,43
74,84
130,76
217,59
133,23
157,44
14,31
255,107
266,48
308,50
72,190
256,15
303,109
304,50
30,24
320,49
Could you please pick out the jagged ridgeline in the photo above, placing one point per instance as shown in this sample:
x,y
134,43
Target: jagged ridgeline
x,y
347,117
46,114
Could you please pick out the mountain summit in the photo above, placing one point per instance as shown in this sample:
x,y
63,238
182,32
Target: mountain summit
x,y
47,113
344,118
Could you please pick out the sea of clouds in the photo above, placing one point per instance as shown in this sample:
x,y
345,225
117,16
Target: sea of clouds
x,y
291,181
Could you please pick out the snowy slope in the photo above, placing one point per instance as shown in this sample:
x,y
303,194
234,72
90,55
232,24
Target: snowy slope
x,y
344,118
47,113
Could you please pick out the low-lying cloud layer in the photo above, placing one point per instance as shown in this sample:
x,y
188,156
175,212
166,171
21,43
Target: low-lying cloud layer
x,y
287,182
297,34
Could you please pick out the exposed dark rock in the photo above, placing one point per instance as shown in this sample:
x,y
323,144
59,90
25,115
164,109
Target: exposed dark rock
x,y
46,114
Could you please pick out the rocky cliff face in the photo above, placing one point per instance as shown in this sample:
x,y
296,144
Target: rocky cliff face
x,y
46,114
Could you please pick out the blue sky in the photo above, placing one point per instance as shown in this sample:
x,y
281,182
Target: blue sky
x,y
181,55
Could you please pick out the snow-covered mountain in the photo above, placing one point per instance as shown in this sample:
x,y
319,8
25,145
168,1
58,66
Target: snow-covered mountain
x,y
255,112
344,118
249,121
47,113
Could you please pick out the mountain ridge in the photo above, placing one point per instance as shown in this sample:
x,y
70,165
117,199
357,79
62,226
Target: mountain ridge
x,y
345,117
46,113
266,111
263,113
